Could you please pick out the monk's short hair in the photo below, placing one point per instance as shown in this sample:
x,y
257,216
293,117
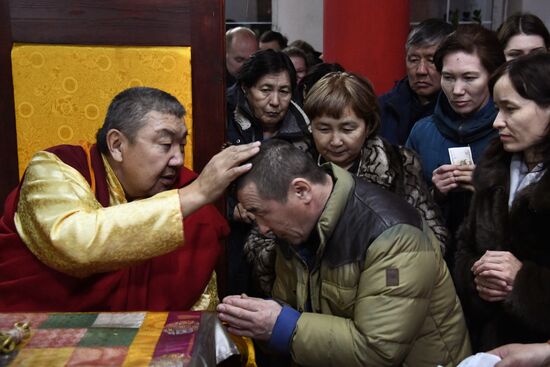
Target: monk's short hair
x,y
127,112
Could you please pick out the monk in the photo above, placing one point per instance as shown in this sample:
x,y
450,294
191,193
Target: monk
x,y
119,225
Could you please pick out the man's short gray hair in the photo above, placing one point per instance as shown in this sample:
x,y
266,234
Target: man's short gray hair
x,y
274,168
427,33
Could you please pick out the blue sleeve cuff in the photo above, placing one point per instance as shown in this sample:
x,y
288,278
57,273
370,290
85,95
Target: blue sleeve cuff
x,y
283,330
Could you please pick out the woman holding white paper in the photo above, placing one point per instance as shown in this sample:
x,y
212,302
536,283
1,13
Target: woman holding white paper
x,y
502,268
462,119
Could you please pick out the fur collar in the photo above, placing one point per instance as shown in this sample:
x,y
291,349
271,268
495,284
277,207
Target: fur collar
x,y
493,173
374,164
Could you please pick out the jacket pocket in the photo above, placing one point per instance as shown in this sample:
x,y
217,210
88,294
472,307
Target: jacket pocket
x,y
338,299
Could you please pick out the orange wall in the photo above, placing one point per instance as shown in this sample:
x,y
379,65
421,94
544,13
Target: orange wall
x,y
367,37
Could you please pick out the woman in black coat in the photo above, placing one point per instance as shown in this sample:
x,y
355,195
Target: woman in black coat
x,y
502,270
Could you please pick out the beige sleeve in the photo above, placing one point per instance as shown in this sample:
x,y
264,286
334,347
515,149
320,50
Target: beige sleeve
x,y
62,223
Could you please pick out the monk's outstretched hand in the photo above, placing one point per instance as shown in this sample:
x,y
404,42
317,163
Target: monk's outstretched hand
x,y
216,176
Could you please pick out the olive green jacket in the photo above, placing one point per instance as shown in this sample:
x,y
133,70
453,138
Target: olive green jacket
x,y
380,292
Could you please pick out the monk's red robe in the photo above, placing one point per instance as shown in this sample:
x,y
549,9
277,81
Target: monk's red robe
x,y
173,281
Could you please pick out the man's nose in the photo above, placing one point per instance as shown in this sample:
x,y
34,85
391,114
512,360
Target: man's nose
x,y
422,67
177,158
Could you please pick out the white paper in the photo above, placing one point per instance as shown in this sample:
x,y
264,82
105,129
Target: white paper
x,y
461,156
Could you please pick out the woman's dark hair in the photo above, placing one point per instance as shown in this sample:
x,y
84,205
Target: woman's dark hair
x,y
525,23
269,36
472,39
530,77
315,73
264,62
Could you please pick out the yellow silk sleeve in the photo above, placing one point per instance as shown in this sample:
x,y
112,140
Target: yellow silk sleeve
x,y
62,223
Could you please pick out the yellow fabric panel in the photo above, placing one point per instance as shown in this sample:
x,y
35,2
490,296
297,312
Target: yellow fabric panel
x,y
142,348
62,92
43,357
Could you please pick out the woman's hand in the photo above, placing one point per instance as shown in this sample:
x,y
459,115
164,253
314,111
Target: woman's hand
x,y
443,178
495,273
523,355
491,289
463,176
451,176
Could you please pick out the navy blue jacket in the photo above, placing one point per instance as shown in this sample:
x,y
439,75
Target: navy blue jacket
x,y
432,137
399,110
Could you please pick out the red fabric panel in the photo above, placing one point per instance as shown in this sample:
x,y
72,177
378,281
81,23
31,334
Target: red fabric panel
x,y
367,37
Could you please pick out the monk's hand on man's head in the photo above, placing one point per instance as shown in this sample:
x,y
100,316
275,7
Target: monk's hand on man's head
x,y
225,167
216,176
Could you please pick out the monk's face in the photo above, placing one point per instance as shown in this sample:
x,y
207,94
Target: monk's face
x,y
151,162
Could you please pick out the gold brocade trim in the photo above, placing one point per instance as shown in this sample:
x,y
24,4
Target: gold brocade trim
x,y
87,147
116,191
209,298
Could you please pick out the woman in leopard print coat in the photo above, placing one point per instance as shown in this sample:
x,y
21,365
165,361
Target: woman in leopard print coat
x,y
345,119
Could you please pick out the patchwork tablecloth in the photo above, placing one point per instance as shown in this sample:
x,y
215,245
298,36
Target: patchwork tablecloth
x,y
118,339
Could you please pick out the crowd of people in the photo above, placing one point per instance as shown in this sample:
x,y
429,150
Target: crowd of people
x,y
462,139
405,229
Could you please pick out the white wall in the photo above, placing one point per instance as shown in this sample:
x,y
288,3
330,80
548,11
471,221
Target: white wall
x,y
538,7
299,19
241,10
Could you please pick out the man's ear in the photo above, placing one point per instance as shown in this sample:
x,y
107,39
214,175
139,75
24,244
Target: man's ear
x,y
301,188
116,142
